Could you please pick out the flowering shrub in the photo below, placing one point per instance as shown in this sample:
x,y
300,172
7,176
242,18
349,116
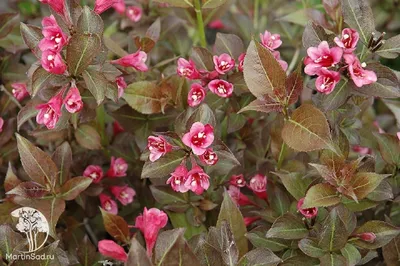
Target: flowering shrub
x,y
202,132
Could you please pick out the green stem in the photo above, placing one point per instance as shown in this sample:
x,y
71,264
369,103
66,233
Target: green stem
x,y
256,14
101,124
200,23
281,155
295,57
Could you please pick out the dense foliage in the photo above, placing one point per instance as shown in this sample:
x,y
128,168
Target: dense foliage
x,y
202,132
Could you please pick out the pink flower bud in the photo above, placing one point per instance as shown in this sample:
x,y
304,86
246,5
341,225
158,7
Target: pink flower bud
x,y
398,135
187,69
118,167
94,172
238,197
197,180
108,204
121,84
221,87
348,40
158,147
109,248
178,179
134,13
216,24
52,62
136,60
308,213
196,95
258,184
120,7
73,101
358,74
209,157
249,220
117,128
19,90
56,5
50,112
54,38
270,41
102,5
241,61
199,138
326,81
1,124
361,150
237,180
367,237
223,63
321,56
150,223
124,194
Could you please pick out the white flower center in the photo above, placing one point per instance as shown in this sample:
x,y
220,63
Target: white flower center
x,y
178,182
46,116
346,36
50,57
194,183
363,64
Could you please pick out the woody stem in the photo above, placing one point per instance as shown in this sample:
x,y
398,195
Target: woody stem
x,y
200,23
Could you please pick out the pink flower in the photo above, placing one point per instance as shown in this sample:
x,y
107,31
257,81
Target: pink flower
x,y
367,237
119,6
1,124
117,128
238,197
108,204
327,80
270,41
50,112
150,223
199,138
308,213
178,179
196,95
102,5
241,61
158,147
19,90
124,194
54,38
197,180
398,135
134,13
249,220
361,150
187,69
73,101
216,24
109,248
237,180
358,74
258,184
118,167
380,130
56,5
223,63
136,60
321,56
348,40
52,62
281,62
94,172
221,87
209,157
121,84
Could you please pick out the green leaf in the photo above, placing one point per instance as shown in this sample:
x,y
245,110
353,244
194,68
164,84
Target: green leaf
x,y
358,15
41,80
333,235
231,214
176,3
288,226
348,217
137,255
166,195
116,226
281,202
97,84
302,260
307,130
389,147
227,43
27,112
86,252
295,183
32,36
81,50
321,195
258,239
62,157
384,234
10,240
37,164
364,183
262,72
335,99
179,220
163,166
11,180
311,248
144,96
226,160
294,86
88,137
73,187
259,256
391,48
391,252
333,259
90,22
221,240
351,254
382,192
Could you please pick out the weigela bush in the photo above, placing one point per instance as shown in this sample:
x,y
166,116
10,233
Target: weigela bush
x,y
202,132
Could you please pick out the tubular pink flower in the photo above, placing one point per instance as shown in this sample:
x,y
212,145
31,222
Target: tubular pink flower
x,y
237,180
121,84
56,5
241,61
102,5
361,150
54,38
196,95
50,112
321,56
358,74
367,237
120,6
109,248
209,157
238,197
270,41
197,180
223,63
258,184
118,168
52,62
308,213
199,138
326,81
124,194
158,147
108,204
178,178
187,69
216,24
19,90
136,60
348,40
94,172
73,101
221,87
134,13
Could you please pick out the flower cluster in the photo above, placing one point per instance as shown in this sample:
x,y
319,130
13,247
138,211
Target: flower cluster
x,y
134,13
273,42
326,63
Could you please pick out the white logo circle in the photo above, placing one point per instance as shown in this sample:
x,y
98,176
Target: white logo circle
x,y
34,226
